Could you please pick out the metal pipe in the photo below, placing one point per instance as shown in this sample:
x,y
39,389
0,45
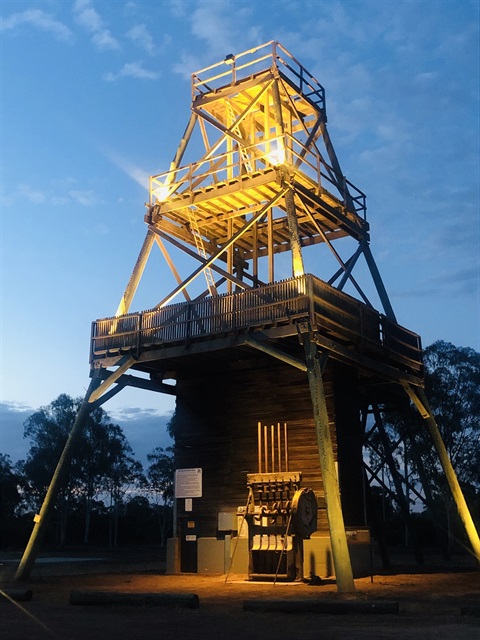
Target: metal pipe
x,y
279,445
259,446
272,434
265,446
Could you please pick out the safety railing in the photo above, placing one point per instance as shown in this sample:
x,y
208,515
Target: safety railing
x,y
266,154
333,313
254,61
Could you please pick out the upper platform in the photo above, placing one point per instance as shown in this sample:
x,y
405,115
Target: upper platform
x,y
261,117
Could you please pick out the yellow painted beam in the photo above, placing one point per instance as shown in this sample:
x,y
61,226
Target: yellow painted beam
x,y
99,391
420,400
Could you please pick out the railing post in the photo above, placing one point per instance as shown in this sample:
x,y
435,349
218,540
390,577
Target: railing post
x,y
92,340
311,302
139,332
188,321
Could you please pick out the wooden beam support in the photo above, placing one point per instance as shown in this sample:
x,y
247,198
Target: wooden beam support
x,y
275,353
248,225
338,536
137,273
171,265
123,365
382,292
42,519
419,399
295,244
139,383
188,251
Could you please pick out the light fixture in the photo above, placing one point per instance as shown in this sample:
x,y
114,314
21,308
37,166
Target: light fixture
x,y
229,58
161,193
276,155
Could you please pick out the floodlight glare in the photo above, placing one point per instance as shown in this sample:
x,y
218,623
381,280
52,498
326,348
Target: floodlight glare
x,y
161,193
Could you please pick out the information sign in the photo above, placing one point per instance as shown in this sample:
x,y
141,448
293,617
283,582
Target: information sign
x,y
188,483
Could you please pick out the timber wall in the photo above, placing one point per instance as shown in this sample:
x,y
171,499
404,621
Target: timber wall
x,y
216,429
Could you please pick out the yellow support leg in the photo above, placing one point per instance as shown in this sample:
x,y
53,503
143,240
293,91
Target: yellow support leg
x,y
338,536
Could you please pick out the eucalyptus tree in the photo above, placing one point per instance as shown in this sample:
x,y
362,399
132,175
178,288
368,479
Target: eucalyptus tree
x,y
10,499
101,464
124,476
48,429
160,485
452,385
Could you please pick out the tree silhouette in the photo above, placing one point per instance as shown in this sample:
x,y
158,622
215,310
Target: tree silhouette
x,y
452,385
160,484
101,466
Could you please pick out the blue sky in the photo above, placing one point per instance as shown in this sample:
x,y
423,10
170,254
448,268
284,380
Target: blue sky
x,y
95,96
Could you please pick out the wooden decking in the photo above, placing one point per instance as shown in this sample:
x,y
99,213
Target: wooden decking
x,y
335,316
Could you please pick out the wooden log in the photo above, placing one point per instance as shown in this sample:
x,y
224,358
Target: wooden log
x,y
19,595
321,606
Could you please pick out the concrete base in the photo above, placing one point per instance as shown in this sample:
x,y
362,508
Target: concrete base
x,y
219,556
318,558
211,555
173,556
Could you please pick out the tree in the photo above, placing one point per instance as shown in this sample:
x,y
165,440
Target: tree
x,y
124,471
452,385
10,499
102,461
160,483
48,430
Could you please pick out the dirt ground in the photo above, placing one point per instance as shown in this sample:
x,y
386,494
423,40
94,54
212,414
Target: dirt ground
x,y
430,601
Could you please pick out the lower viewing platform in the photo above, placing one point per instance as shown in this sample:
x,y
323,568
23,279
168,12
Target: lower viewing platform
x,y
342,324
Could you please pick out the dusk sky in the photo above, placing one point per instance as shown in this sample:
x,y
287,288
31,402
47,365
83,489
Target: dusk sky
x,y
95,96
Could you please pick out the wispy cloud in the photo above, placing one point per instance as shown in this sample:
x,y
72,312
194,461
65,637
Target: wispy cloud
x,y
141,37
12,418
40,20
447,284
140,176
7,406
132,414
219,26
85,198
145,429
178,8
26,193
214,24
89,19
132,70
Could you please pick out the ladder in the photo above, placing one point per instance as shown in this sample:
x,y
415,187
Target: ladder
x,y
192,219
236,129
